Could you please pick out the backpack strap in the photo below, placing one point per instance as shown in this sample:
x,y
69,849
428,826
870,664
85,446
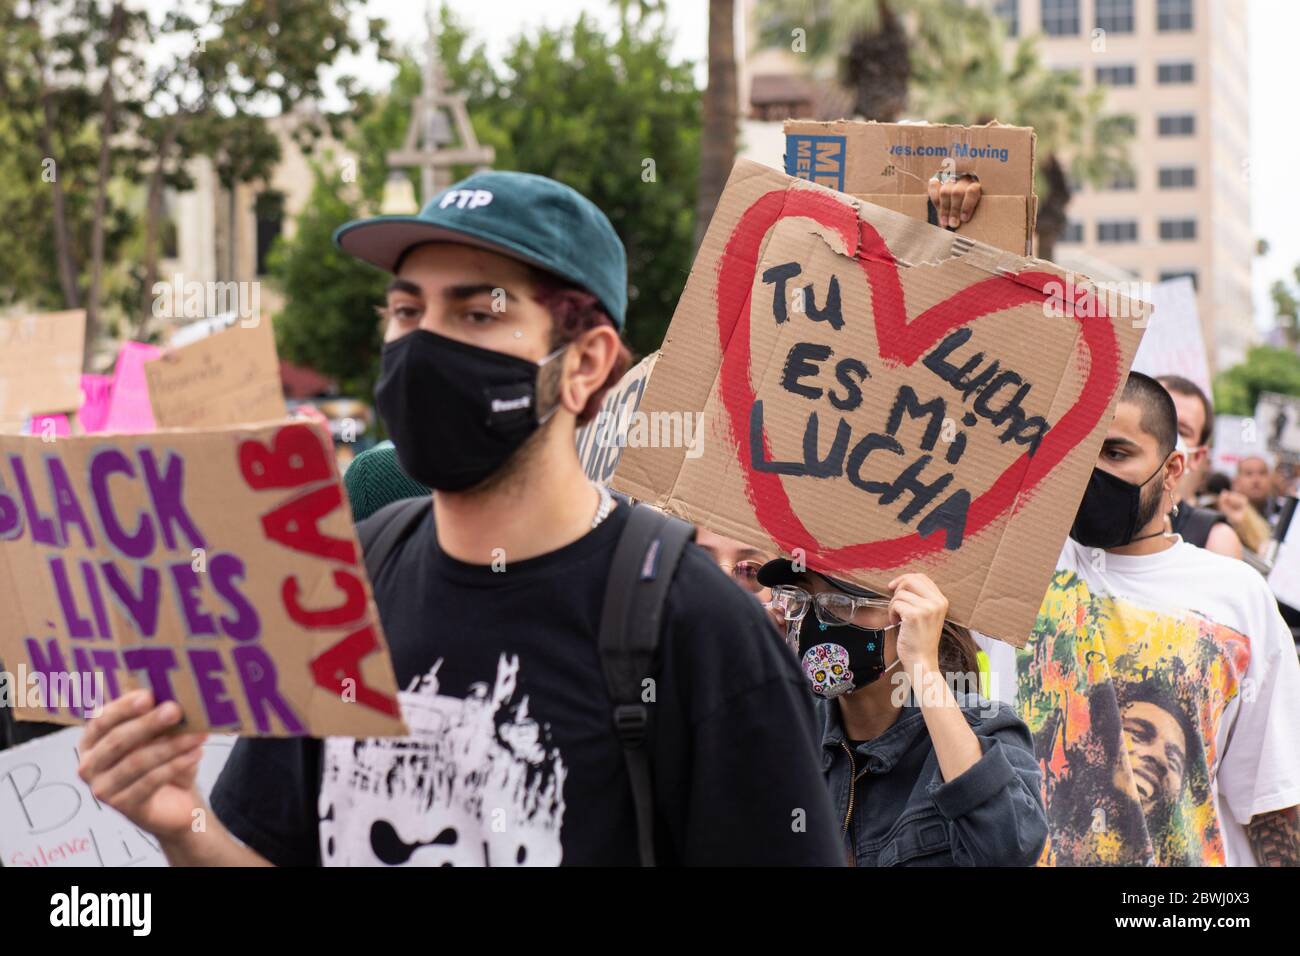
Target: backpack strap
x,y
642,569
382,532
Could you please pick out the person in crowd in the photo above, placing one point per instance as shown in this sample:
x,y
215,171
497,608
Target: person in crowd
x,y
921,769
1203,527
503,336
737,559
1131,605
375,479
1255,481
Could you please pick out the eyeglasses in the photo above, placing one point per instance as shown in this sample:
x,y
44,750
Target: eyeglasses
x,y
832,608
744,573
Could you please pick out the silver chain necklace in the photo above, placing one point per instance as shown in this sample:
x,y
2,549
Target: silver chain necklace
x,y
605,507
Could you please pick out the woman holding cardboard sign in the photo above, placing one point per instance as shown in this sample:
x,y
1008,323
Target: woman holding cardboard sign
x,y
921,774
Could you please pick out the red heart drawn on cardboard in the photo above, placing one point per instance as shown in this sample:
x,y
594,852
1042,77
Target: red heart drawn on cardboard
x,y
901,341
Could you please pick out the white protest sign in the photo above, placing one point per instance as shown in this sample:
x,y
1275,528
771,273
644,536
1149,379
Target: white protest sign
x,y
1174,344
1235,438
49,817
1278,419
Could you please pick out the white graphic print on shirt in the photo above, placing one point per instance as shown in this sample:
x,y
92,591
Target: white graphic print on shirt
x,y
476,784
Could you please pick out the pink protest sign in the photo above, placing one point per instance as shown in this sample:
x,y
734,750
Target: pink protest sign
x,y
129,409
96,391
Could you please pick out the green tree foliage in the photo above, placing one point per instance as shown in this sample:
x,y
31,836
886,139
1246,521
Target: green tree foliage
x,y
1266,369
1286,307
612,116
329,321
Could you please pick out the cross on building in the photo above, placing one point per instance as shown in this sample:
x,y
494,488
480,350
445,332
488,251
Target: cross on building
x,y
439,135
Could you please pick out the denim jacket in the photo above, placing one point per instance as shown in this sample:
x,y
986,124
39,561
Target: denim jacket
x,y
900,812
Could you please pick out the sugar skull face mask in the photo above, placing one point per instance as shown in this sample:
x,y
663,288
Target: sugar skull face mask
x,y
840,658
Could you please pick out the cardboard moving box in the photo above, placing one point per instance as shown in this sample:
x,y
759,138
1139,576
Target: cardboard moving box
x,y
890,165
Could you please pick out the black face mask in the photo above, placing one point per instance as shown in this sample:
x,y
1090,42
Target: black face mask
x,y
1110,513
839,658
456,412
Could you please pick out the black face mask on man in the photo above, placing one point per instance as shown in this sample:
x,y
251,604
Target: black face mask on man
x,y
1112,510
839,658
456,412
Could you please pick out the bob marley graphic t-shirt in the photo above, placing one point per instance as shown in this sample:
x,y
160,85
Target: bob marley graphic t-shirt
x,y
512,757
1163,694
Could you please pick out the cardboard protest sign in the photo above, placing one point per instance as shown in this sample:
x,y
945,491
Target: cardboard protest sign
x,y
1174,343
890,165
229,378
1278,419
219,568
49,817
40,364
1236,438
883,396
602,440
128,406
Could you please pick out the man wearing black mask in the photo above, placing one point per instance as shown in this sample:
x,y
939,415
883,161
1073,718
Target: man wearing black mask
x,y
1131,604
502,337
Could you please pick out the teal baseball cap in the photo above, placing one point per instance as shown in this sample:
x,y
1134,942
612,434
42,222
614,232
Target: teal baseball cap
x,y
526,217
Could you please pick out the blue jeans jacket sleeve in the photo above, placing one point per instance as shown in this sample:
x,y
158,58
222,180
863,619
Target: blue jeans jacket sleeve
x,y
996,807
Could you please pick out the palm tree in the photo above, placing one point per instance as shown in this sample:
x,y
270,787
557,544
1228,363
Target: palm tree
x,y
965,75
869,38
721,109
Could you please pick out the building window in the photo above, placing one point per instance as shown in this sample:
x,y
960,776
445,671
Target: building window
x,y
1173,15
1176,72
1123,180
1073,232
1178,177
1177,124
1009,11
1125,75
1178,229
1167,274
1117,230
268,209
1115,16
1060,18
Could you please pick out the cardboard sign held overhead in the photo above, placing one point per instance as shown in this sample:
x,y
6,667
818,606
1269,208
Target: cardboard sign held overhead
x,y
229,378
602,440
890,165
40,364
884,397
1278,418
218,568
1174,343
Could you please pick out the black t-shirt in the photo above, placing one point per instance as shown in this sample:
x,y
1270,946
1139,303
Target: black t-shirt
x,y
1195,524
513,757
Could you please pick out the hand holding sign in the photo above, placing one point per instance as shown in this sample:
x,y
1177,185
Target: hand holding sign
x,y
215,568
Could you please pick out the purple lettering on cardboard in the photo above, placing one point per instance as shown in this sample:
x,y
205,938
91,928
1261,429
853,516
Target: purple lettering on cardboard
x,y
11,517
225,572
107,663
155,662
78,626
66,506
257,673
42,527
165,489
46,664
96,598
205,662
106,462
142,607
197,622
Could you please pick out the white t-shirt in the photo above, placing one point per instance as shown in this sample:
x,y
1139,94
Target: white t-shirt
x,y
1184,657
